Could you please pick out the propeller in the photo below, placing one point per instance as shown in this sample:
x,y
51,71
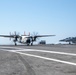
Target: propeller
x,y
10,35
15,35
35,34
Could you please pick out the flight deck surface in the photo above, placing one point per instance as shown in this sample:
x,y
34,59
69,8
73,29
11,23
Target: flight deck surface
x,y
38,60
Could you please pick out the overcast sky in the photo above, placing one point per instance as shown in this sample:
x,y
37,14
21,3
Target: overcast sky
x,y
56,17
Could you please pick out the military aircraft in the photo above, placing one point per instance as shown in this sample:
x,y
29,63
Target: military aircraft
x,y
70,40
24,39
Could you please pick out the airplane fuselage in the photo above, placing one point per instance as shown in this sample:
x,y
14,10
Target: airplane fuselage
x,y
25,40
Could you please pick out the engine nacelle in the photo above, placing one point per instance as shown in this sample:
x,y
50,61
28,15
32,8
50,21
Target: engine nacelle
x,y
33,38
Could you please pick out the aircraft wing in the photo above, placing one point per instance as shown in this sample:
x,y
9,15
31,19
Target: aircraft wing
x,y
9,36
62,40
43,35
39,36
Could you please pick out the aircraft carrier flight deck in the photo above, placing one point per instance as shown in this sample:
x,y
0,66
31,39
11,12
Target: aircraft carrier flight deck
x,y
38,60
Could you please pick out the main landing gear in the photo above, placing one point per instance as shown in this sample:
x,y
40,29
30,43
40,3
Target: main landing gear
x,y
15,44
31,43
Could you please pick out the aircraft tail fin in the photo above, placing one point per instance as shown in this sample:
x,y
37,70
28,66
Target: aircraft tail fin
x,y
29,34
24,33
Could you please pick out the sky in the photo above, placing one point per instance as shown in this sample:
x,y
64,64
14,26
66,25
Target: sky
x,y
55,17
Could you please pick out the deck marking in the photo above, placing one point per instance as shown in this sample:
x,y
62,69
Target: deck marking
x,y
36,50
51,59
45,51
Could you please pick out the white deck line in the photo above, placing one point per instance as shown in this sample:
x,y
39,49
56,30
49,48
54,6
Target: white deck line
x,y
51,59
36,50
45,51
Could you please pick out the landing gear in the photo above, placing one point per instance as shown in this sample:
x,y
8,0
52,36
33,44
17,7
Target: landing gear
x,y
15,44
69,42
31,43
28,44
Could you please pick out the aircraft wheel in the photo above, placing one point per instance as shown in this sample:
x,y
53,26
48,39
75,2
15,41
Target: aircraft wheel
x,y
15,44
31,44
27,44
